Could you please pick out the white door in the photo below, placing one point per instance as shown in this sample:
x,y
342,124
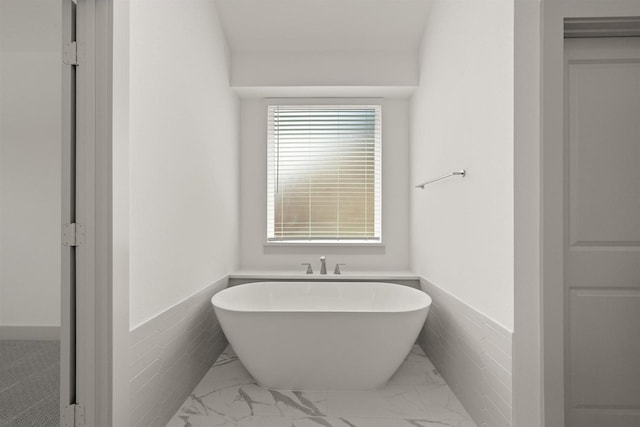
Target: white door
x,y
602,232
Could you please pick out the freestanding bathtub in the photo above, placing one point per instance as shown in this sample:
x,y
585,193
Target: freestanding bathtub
x,y
321,335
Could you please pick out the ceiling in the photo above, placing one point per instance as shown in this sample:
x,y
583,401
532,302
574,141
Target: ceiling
x,y
323,25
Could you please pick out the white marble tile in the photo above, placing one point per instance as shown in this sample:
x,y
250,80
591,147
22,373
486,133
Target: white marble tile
x,y
319,422
228,396
223,375
390,402
227,355
417,369
284,403
218,421
248,400
366,422
441,405
222,421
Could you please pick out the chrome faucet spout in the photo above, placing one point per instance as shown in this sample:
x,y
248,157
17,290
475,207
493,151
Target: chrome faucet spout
x,y
323,265
309,269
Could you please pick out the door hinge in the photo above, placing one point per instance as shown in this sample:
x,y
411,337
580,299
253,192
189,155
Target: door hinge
x,y
72,415
72,234
70,53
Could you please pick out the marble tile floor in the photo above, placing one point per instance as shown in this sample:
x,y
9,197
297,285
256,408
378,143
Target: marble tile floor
x,y
416,396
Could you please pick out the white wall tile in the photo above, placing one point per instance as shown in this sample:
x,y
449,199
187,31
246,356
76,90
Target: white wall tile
x,y
498,336
473,353
494,367
501,389
169,356
501,357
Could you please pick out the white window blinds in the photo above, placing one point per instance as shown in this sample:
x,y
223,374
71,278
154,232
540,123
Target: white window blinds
x,y
324,173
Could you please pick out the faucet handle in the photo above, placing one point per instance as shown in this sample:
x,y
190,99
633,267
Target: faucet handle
x,y
309,269
337,269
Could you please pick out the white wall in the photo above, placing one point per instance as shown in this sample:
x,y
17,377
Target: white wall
x,y
395,199
121,358
527,403
397,68
30,162
183,152
462,118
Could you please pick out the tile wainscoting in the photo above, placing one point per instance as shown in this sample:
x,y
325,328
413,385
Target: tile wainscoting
x,y
170,354
473,354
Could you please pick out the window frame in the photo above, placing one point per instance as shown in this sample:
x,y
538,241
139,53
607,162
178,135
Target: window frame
x,y
378,102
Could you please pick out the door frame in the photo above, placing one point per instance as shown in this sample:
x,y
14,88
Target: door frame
x,y
94,303
67,306
552,194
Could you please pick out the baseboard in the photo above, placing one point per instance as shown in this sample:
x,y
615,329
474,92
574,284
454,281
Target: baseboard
x,y
473,354
30,333
170,354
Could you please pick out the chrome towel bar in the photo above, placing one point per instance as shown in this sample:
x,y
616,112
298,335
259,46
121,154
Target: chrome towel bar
x,y
462,173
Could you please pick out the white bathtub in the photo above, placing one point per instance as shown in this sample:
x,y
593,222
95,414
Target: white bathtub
x,y
321,335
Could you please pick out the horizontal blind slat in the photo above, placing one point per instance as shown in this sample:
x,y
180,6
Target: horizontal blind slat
x,y
324,174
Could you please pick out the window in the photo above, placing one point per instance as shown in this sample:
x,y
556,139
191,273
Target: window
x,y
324,173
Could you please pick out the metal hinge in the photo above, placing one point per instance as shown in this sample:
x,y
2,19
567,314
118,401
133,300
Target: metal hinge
x,y
70,53
72,234
72,415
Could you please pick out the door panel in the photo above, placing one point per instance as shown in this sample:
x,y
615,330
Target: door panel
x,y
604,329
604,148
602,223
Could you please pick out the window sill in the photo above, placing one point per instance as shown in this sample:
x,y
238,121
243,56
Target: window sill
x,y
324,244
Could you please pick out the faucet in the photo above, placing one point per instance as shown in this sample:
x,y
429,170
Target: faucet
x,y
309,269
323,265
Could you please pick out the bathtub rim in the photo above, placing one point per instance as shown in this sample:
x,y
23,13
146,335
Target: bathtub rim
x,y
426,306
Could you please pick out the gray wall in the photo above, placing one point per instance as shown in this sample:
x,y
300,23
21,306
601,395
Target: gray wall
x,y
30,166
